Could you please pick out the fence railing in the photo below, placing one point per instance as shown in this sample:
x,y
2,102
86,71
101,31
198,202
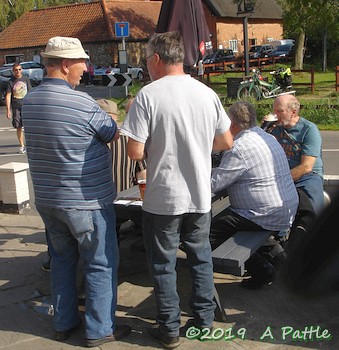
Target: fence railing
x,y
209,73
337,78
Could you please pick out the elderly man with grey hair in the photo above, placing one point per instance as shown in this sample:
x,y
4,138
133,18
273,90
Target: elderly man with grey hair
x,y
261,191
70,164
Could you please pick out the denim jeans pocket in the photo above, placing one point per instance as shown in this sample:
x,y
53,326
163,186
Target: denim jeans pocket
x,y
80,223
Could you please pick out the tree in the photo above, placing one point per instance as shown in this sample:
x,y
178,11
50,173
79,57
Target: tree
x,y
10,10
305,19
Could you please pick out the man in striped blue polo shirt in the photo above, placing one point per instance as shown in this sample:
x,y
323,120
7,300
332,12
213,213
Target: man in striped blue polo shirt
x,y
67,135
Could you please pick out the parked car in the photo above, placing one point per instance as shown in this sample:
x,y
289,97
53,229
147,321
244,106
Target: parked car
x,y
282,52
35,71
219,56
3,87
276,43
99,72
260,51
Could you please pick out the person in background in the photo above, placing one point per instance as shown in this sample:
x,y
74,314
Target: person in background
x,y
67,135
174,123
85,75
261,191
91,73
36,57
17,88
124,168
302,143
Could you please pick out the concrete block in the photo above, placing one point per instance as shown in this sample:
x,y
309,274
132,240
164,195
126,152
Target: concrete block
x,y
14,196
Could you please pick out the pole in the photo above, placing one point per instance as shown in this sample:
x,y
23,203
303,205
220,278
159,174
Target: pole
x,y
124,68
247,64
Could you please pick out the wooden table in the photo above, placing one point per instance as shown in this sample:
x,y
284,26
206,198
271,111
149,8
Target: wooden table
x,y
128,206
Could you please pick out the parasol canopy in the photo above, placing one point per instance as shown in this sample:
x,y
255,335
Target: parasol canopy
x,y
188,18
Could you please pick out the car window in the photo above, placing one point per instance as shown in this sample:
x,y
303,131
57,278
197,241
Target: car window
x,y
255,48
7,73
26,65
209,55
267,48
36,65
284,48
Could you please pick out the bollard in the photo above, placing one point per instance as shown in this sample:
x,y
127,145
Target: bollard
x,y
14,190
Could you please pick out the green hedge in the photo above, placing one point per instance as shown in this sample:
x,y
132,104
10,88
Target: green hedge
x,y
325,115
323,112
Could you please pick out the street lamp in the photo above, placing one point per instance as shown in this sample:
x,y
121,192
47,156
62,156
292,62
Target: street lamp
x,y
245,9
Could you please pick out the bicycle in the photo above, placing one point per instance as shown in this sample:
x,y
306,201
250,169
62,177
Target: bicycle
x,y
255,87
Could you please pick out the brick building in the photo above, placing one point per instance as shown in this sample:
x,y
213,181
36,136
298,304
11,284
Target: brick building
x,y
264,24
93,23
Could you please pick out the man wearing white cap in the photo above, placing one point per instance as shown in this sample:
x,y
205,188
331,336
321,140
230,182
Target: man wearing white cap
x,y
67,135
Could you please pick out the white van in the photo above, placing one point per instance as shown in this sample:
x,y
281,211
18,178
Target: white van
x,y
276,43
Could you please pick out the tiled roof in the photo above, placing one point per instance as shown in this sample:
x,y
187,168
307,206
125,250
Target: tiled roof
x,y
86,21
267,9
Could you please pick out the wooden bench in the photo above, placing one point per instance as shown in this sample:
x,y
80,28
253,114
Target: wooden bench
x,y
230,256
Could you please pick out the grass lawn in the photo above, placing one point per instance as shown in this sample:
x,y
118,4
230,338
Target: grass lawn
x,y
321,107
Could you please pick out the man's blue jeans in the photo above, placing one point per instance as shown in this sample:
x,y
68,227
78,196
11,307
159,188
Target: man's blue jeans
x,y
91,236
313,185
162,235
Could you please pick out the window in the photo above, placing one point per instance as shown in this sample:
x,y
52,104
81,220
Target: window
x,y
252,42
233,45
14,58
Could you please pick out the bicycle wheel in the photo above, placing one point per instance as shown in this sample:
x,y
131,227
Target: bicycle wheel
x,y
248,92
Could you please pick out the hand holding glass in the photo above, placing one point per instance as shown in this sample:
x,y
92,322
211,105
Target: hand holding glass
x,y
141,178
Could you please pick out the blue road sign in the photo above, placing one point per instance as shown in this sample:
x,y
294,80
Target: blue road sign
x,y
121,29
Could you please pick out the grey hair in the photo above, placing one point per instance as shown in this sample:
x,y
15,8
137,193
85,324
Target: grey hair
x,y
243,114
52,61
293,104
169,46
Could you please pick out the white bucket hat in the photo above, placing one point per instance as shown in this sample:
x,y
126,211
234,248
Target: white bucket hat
x,y
63,47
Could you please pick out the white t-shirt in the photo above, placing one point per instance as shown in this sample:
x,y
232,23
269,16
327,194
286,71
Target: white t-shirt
x,y
177,118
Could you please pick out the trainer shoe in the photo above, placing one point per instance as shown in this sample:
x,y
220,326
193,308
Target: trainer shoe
x,y
22,150
169,342
64,335
119,333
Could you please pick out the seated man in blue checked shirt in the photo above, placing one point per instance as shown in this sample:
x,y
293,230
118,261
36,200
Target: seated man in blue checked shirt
x,y
261,191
